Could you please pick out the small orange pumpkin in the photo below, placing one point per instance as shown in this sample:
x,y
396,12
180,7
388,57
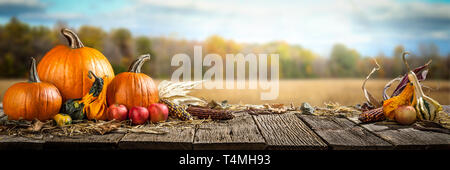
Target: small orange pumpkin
x,y
67,67
33,99
133,88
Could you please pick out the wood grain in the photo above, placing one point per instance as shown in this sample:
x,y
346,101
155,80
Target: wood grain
x,y
239,133
176,138
20,143
287,132
406,137
88,142
342,134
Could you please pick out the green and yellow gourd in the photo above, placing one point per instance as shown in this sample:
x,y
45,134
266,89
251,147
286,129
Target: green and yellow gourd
x,y
62,119
426,107
93,105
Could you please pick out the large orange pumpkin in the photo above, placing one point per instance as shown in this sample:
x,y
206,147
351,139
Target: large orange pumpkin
x,y
33,99
133,88
67,67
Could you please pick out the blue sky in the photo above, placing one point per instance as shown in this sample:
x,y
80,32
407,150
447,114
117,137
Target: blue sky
x,y
368,26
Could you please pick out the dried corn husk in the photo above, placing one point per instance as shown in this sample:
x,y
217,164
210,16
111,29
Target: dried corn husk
x,y
177,92
387,86
421,73
370,99
374,103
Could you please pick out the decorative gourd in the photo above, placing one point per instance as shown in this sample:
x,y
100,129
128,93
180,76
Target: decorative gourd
x,y
32,99
62,119
93,104
426,107
67,66
133,88
404,98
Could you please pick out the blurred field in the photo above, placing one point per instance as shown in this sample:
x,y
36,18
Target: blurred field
x,y
318,91
314,91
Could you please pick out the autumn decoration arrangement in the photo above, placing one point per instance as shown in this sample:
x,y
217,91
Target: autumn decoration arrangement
x,y
74,87
407,104
75,83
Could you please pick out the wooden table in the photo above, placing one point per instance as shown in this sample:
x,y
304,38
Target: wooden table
x,y
289,131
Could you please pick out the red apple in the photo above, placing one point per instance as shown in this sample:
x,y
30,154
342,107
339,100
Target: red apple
x,y
405,115
117,111
158,112
138,115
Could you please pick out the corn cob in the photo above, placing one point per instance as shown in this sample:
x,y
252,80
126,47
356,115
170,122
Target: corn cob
x,y
215,114
373,115
176,110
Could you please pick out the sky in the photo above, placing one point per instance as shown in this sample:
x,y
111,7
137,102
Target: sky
x,y
371,27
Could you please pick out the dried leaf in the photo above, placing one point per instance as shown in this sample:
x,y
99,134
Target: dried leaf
x,y
335,109
36,126
216,105
277,105
276,108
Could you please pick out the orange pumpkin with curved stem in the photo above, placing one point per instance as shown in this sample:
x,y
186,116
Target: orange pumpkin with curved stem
x,y
133,88
32,99
67,66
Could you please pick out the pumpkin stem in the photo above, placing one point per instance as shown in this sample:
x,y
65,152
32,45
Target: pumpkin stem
x,y
74,41
404,60
90,74
136,66
33,76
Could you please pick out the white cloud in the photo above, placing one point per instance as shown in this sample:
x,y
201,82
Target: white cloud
x,y
52,16
313,24
21,2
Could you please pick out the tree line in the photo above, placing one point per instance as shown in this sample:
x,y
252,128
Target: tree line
x,y
19,41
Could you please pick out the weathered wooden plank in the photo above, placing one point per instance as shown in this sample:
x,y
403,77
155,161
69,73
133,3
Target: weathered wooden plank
x,y
342,134
288,132
406,137
8,142
87,142
239,133
176,138
20,143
